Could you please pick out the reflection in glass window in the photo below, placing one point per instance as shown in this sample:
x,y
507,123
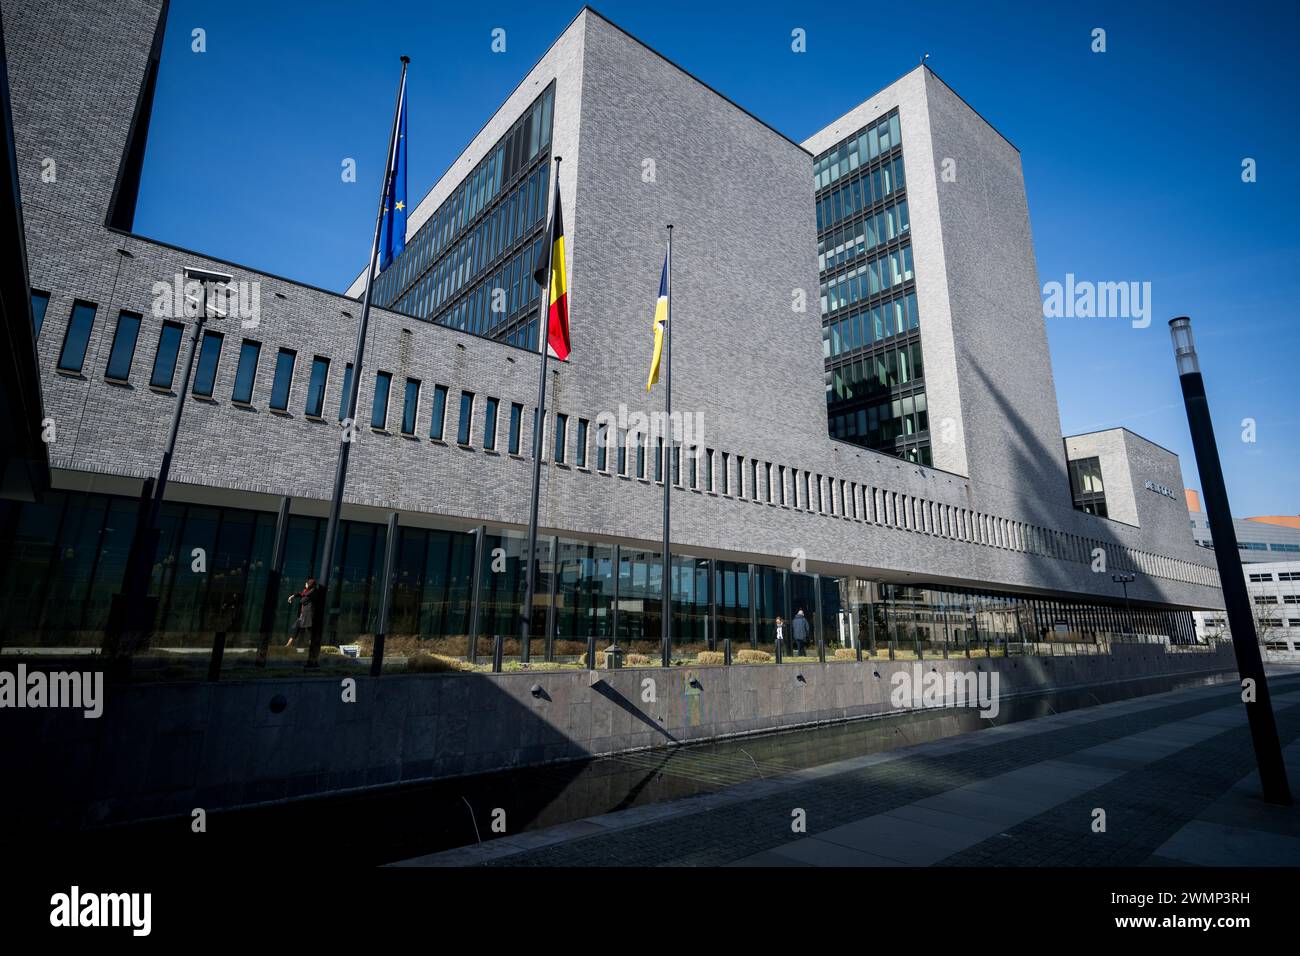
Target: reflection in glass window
x,y
246,372
283,380
73,354
124,338
205,376
164,360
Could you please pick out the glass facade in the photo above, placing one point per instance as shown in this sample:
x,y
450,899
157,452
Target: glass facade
x,y
64,558
871,340
469,266
1086,487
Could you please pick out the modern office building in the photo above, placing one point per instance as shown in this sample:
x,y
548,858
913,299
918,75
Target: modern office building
x,y
1269,548
859,350
1263,539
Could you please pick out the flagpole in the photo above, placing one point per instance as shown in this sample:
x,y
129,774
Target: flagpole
x,y
349,424
667,615
539,427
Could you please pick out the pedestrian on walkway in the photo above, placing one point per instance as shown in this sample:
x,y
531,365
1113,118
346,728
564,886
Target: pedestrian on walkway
x,y
306,599
800,629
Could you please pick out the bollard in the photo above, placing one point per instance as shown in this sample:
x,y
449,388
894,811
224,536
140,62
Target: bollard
x,y
726,651
218,652
821,649
591,652
780,649
498,650
891,648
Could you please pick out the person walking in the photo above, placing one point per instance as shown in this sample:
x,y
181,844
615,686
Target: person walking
x,y
800,629
306,599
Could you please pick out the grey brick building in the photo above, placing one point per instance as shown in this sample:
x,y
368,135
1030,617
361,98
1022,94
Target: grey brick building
x,y
772,512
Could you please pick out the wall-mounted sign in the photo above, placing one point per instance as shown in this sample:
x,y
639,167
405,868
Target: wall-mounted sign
x,y
1159,489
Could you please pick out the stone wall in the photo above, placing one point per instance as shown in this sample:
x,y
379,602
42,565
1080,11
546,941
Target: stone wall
x,y
162,750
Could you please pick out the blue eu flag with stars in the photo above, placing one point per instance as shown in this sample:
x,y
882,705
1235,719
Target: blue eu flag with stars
x,y
392,230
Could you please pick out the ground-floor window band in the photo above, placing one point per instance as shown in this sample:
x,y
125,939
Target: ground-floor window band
x,y
62,560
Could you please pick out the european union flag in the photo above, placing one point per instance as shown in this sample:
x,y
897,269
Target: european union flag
x,y
392,230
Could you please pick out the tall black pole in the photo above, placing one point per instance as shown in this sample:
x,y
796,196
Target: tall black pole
x,y
347,435
539,426
666,640
1245,643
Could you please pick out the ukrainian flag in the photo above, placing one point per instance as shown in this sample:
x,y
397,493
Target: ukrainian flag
x,y
660,326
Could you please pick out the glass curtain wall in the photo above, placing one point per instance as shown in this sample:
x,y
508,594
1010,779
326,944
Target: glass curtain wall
x,y
62,559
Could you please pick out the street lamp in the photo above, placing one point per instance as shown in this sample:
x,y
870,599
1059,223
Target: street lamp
x,y
1125,580
132,610
1245,644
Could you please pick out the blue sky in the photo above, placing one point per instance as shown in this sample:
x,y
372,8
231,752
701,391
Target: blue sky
x,y
1132,158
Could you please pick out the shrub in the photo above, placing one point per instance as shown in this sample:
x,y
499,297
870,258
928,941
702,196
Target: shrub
x,y
711,657
636,660
845,654
433,664
751,656
278,652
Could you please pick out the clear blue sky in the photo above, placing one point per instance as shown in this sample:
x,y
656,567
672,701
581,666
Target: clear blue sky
x,y
1132,158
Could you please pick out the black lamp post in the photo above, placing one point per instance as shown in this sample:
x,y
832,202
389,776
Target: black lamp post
x,y
1125,580
1259,710
131,613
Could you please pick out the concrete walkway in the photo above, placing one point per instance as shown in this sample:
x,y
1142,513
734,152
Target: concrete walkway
x,y
1172,773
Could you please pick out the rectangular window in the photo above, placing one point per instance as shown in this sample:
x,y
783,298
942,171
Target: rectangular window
x,y
246,372
602,446
164,360
345,396
283,381
640,455
708,469
659,459
516,423
581,459
726,473
622,452
439,416
320,373
119,359
466,417
561,437
205,377
677,463
40,300
379,408
490,423
410,405
75,340
692,464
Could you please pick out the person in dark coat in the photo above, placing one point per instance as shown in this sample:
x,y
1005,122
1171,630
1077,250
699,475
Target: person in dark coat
x,y
799,630
307,601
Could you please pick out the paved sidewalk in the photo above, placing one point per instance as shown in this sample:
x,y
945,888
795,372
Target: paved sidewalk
x,y
1173,774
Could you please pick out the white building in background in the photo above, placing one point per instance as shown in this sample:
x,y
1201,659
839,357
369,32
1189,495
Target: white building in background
x,y
1269,548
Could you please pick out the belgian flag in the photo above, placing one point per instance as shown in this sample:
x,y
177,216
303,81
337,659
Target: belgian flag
x,y
557,325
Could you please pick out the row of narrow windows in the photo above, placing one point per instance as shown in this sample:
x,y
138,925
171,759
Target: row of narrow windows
x,y
634,454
